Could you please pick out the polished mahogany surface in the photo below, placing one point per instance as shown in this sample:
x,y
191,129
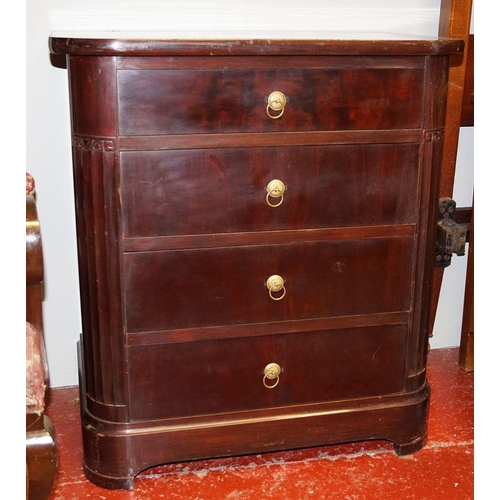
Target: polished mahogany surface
x,y
316,368
193,191
209,100
256,227
151,43
41,440
227,286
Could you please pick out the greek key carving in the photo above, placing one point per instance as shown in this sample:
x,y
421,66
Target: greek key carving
x,y
93,144
433,135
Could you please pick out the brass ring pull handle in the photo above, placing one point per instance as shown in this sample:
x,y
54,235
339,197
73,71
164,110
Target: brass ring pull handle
x,y
276,104
271,372
275,189
276,283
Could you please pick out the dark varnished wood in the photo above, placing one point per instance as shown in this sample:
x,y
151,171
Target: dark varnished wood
x,y
466,354
41,460
267,139
93,89
220,375
254,431
34,256
215,240
126,44
172,155
228,286
222,100
433,119
259,329
41,442
224,190
467,118
34,266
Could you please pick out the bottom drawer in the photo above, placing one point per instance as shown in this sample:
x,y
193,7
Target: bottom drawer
x,y
196,378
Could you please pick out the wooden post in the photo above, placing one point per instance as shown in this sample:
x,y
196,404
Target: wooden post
x,y
454,22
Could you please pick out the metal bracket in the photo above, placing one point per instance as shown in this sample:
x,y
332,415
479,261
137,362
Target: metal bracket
x,y
451,236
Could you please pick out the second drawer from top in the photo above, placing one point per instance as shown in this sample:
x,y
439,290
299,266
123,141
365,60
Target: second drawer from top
x,y
167,193
260,284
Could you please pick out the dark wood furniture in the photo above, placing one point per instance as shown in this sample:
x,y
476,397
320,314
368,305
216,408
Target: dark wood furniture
x,y
256,229
41,444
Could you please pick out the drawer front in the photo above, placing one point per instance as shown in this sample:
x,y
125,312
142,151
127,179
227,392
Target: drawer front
x,y
225,286
187,101
225,190
182,379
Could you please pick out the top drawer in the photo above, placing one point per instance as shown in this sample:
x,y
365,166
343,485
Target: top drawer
x,y
347,94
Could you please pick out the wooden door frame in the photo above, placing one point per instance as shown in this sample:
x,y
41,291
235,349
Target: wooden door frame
x,y
454,22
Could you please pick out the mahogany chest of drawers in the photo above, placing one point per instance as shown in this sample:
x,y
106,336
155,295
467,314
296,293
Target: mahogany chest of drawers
x,y
256,232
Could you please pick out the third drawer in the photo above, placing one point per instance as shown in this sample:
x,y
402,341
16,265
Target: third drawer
x,y
168,290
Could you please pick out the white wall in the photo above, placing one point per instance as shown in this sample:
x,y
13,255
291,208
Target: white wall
x,y
48,159
48,153
448,324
